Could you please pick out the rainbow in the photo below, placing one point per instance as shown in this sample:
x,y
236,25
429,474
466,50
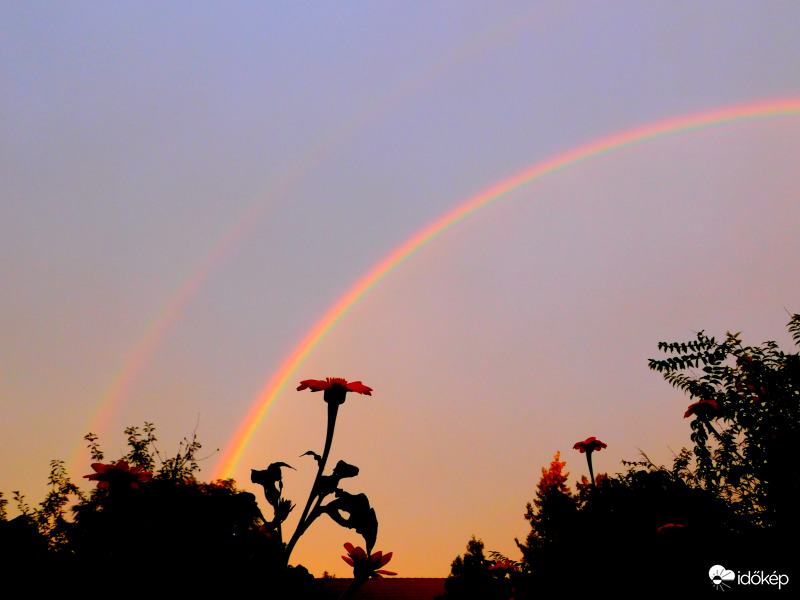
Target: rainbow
x,y
464,210
124,378
122,381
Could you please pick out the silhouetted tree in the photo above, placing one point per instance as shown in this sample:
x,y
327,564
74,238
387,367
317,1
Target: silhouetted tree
x,y
746,418
551,516
745,426
471,578
613,535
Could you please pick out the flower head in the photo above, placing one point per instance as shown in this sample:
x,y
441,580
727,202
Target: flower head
x,y
265,531
503,567
669,527
704,408
590,445
335,388
118,474
366,565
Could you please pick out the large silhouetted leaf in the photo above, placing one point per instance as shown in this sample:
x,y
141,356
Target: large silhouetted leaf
x,y
360,515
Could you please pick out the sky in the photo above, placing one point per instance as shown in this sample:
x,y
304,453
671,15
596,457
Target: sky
x,y
188,189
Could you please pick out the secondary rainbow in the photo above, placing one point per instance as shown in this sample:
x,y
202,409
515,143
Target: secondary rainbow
x,y
286,372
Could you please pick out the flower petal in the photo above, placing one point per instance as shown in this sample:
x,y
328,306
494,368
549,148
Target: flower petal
x,y
315,385
386,558
357,386
590,445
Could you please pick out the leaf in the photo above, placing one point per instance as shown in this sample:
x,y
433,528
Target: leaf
x,y
361,516
343,469
270,480
316,456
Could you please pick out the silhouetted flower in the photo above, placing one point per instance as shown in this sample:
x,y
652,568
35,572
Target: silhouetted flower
x,y
335,388
283,509
366,565
590,445
118,474
704,408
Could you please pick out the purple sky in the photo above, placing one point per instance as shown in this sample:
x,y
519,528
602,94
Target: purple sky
x,y
314,138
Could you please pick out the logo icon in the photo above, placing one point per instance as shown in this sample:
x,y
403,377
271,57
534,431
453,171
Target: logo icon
x,y
719,575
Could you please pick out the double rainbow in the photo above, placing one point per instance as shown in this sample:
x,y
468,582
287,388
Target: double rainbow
x,y
249,425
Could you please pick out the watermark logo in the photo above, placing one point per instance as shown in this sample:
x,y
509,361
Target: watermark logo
x,y
722,578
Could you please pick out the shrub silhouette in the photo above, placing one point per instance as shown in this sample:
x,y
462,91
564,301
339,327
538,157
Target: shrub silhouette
x,y
729,501
150,517
187,536
471,579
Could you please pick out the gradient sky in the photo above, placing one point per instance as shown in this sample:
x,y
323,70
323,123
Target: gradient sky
x,y
186,189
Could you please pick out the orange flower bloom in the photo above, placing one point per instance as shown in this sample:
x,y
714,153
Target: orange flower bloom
x,y
118,474
590,445
335,388
704,408
366,565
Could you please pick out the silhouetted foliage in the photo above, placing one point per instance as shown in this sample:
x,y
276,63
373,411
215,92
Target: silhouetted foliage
x,y
196,536
551,516
729,501
746,421
614,534
471,578
348,510
149,514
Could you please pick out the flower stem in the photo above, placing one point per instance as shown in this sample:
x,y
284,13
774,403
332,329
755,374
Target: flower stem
x,y
589,460
305,521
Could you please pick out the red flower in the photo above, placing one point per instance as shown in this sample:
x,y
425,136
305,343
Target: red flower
x,y
335,388
502,567
590,445
702,409
315,385
364,565
669,527
118,474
